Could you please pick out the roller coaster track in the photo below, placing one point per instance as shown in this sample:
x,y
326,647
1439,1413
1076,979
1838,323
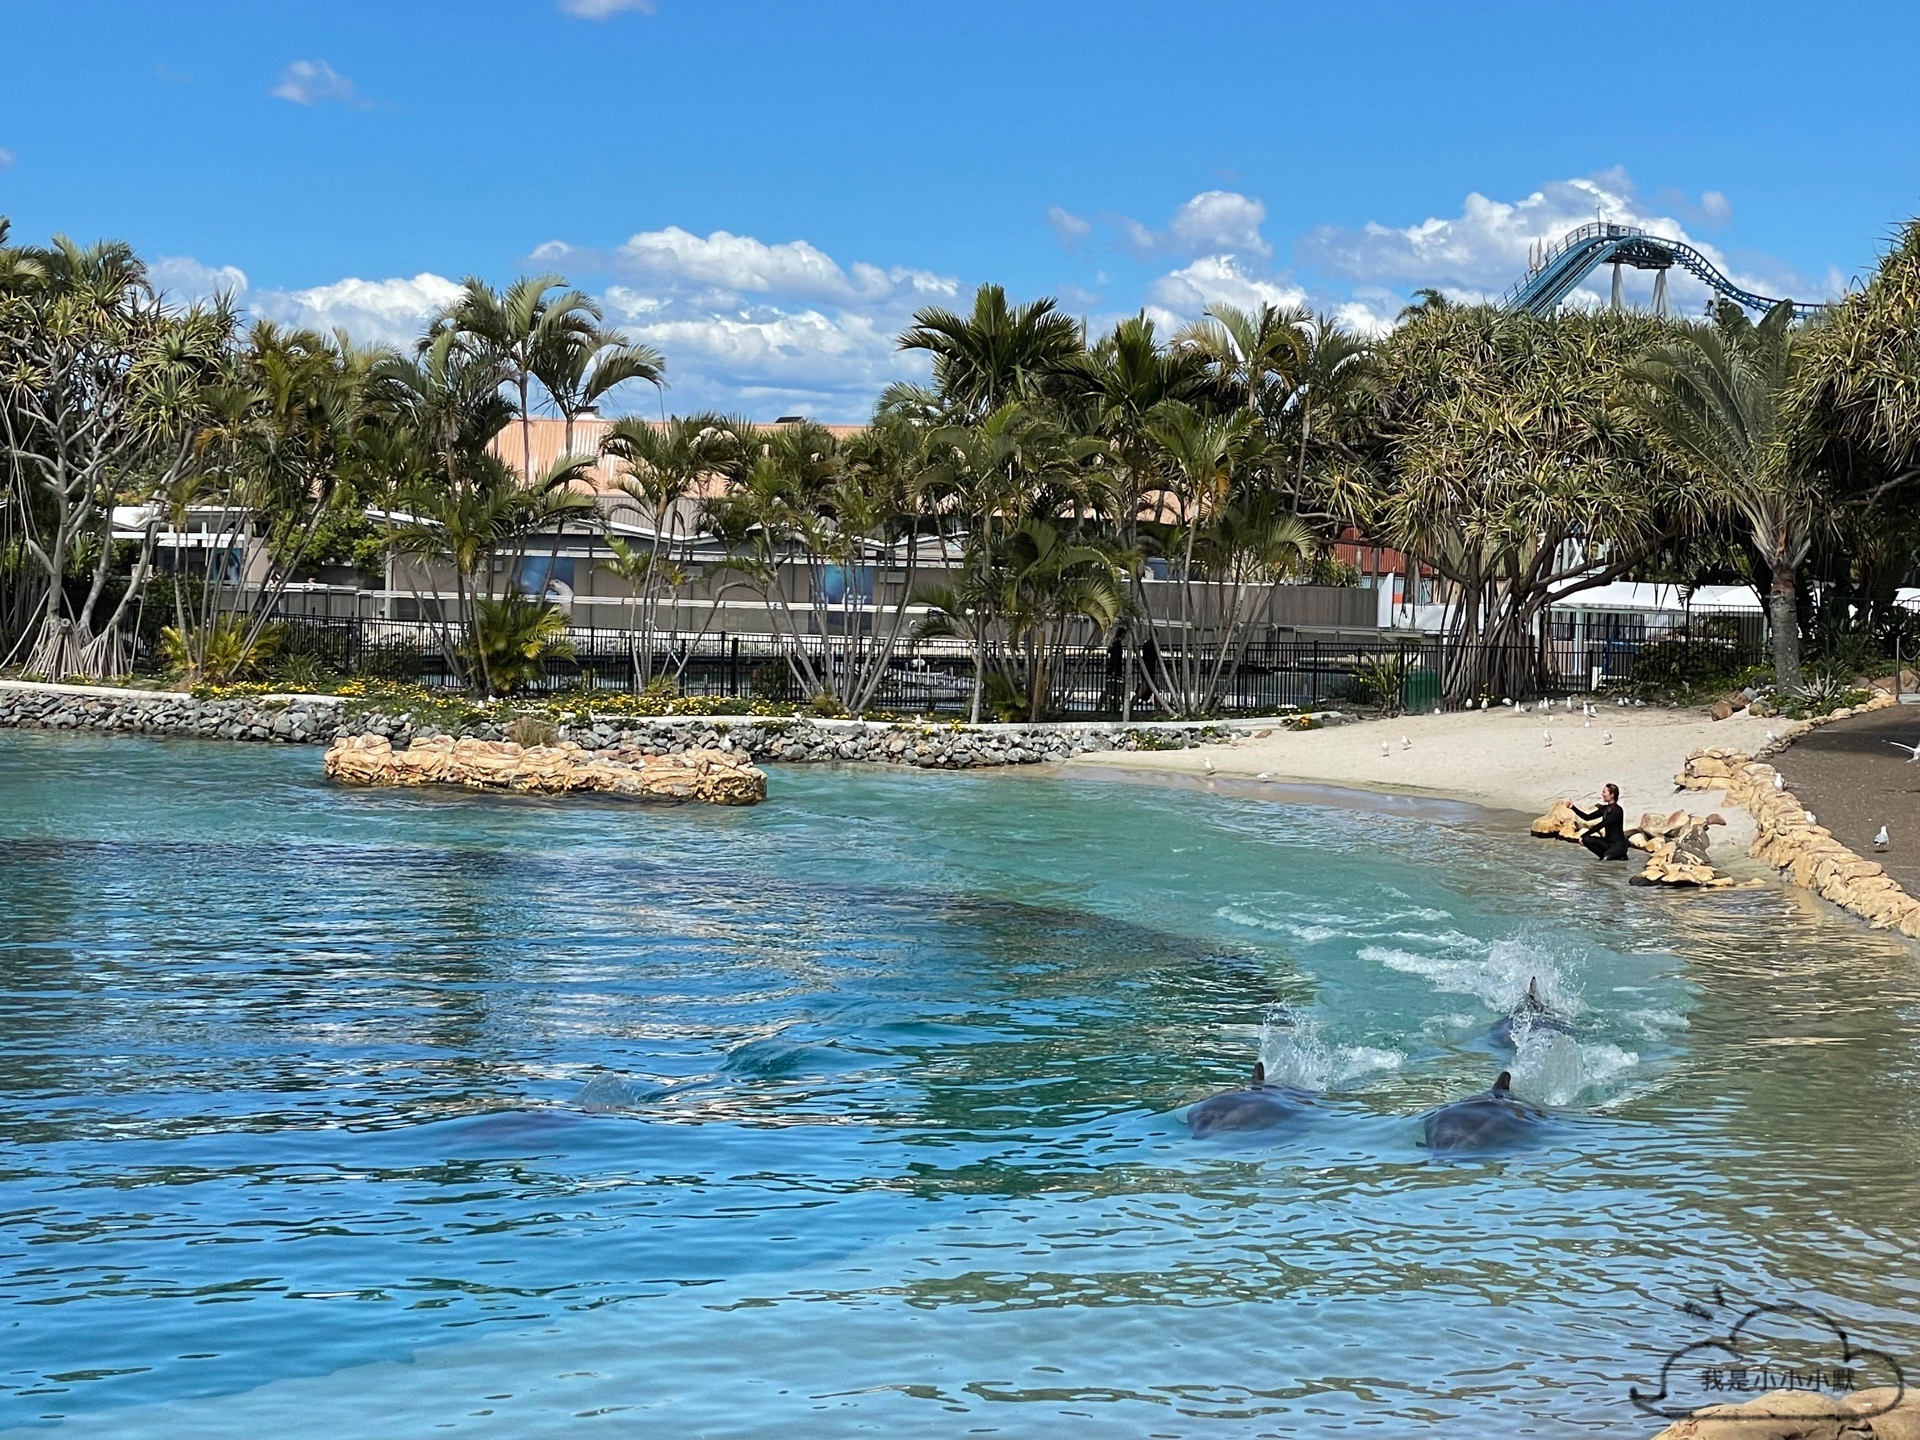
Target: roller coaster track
x,y
1576,255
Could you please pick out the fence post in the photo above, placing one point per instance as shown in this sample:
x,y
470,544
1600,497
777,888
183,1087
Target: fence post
x,y
733,669
1314,702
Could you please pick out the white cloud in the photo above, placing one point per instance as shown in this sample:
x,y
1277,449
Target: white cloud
x,y
182,278
1220,220
6,160
723,264
1068,228
313,82
1715,207
1223,279
1212,222
604,9
392,312
1490,244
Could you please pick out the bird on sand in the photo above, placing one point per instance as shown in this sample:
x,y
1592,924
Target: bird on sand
x,y
1263,775
1385,750
1207,765
1606,737
1880,841
1809,815
1913,751
1546,738
1779,781
1405,743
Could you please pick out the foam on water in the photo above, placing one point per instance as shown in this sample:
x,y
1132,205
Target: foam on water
x,y
1296,1052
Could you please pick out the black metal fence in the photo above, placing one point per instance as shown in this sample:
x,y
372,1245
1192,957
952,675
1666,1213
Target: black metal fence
x,y
1276,671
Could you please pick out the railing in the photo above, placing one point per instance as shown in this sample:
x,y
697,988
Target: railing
x,y
1273,673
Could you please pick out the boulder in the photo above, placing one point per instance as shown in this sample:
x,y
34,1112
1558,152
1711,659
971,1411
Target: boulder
x,y
1806,1415
715,777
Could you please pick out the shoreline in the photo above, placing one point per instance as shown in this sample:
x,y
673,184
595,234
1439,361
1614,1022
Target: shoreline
x,y
1495,761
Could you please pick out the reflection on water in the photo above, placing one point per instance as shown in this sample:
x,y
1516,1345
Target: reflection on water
x,y
332,1113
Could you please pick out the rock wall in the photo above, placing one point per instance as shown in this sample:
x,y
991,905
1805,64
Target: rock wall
x,y
293,720
1882,1414
318,719
712,776
1787,840
1677,846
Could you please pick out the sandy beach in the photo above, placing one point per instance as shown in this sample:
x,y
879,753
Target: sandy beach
x,y
1496,759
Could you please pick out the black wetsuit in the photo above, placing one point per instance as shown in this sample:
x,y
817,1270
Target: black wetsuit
x,y
1608,839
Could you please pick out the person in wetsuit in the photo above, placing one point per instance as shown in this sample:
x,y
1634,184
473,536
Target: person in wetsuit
x,y
1608,838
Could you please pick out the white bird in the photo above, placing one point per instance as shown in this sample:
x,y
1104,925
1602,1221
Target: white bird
x,y
1546,738
1913,751
1606,737
1483,702
1436,709
1621,701
1405,743
1810,819
1207,765
1779,781
1506,702
1586,724
1525,708
1880,841
1263,775
1770,737
1385,750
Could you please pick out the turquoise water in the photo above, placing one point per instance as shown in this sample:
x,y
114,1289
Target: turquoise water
x,y
330,1113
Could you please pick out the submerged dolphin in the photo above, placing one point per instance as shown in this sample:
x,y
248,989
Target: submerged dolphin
x,y
1491,1120
1532,1013
1258,1107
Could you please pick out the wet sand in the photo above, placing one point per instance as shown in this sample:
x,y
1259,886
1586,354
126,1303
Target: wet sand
x,y
1855,781
1497,759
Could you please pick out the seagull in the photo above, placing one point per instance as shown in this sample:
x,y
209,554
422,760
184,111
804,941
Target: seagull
x,y
1810,819
1506,702
1546,738
1207,765
1263,775
1779,781
1606,737
1385,750
1483,702
1586,724
1770,737
1880,841
1405,743
1913,751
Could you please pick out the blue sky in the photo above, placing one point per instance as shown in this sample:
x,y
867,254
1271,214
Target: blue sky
x,y
768,190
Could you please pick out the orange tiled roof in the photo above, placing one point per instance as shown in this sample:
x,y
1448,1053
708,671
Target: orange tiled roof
x,y
546,439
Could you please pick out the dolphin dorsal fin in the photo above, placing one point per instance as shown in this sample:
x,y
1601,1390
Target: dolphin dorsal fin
x,y
1259,1072
1503,1083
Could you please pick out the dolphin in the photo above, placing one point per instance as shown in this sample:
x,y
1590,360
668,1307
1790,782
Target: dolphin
x,y
1492,1120
1258,1107
1531,1013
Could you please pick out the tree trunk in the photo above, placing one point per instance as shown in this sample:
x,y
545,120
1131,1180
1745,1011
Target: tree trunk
x,y
1783,616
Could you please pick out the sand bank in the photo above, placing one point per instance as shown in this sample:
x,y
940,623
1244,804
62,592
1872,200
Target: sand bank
x,y
1497,759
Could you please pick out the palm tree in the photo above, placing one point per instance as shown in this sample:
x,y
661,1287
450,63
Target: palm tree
x,y
1426,301
1255,355
580,367
1718,399
523,330
997,354
661,469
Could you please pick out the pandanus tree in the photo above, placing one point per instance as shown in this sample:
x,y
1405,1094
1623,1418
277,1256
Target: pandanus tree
x,y
1500,458
1857,388
102,403
282,450
1718,399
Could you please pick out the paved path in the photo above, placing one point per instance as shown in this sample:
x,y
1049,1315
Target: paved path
x,y
1855,782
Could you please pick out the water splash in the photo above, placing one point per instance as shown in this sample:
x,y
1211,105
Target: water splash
x,y
1296,1052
